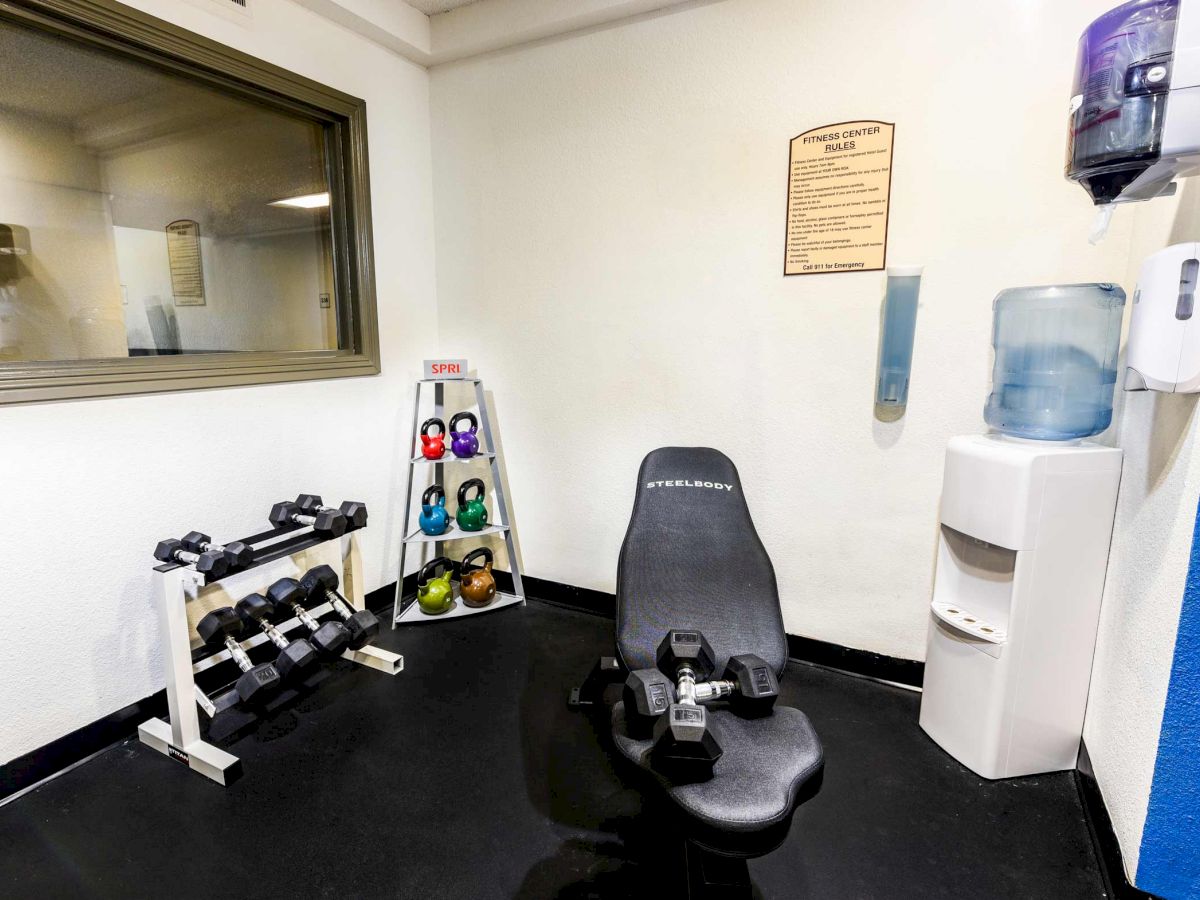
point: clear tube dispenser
(899, 329)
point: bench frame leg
(588, 695)
(711, 875)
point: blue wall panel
(1169, 864)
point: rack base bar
(199, 756)
(373, 658)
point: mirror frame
(129, 33)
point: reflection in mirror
(145, 214)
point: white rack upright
(411, 614)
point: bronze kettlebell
(477, 586)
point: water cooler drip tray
(964, 620)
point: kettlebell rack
(410, 613)
(180, 585)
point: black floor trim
(600, 603)
(38, 765)
(859, 662)
(1108, 848)
(69, 749)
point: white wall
(1152, 540)
(610, 221)
(93, 485)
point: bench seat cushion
(765, 764)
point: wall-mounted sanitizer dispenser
(1163, 351)
(1135, 106)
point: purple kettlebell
(464, 444)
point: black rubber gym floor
(466, 777)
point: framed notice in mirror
(187, 270)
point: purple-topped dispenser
(1135, 106)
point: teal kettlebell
(434, 519)
(472, 514)
(434, 592)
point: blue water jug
(1056, 360)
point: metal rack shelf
(451, 458)
(409, 614)
(412, 613)
(454, 534)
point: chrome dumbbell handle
(239, 655)
(302, 614)
(713, 690)
(339, 603)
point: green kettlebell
(472, 514)
(434, 593)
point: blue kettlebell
(434, 519)
(464, 444)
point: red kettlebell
(477, 586)
(433, 446)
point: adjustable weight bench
(692, 559)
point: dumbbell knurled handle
(273, 633)
(302, 614)
(239, 655)
(339, 603)
(686, 685)
(713, 690)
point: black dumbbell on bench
(327, 521)
(296, 658)
(354, 512)
(321, 585)
(330, 638)
(749, 683)
(209, 562)
(237, 554)
(222, 627)
(685, 747)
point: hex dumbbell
(209, 562)
(330, 638)
(222, 627)
(647, 693)
(296, 658)
(237, 554)
(354, 512)
(320, 583)
(684, 744)
(330, 521)
(749, 683)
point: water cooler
(1026, 519)
(1025, 530)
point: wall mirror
(173, 214)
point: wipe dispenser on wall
(897, 333)
(1163, 351)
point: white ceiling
(433, 7)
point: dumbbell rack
(178, 585)
(411, 613)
